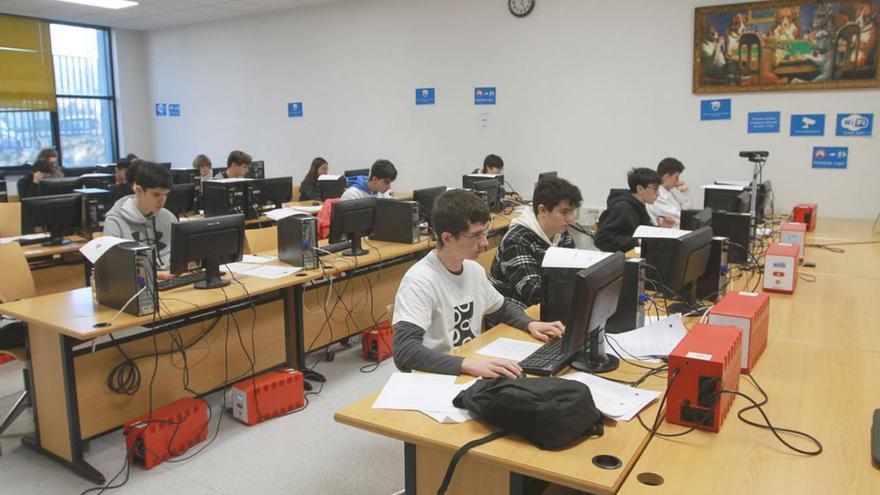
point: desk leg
(53, 388)
(293, 326)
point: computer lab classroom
(711, 167)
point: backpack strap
(461, 452)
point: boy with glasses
(443, 298)
(626, 211)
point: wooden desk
(498, 466)
(57, 268)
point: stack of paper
(430, 394)
(27, 237)
(616, 401)
(515, 350)
(261, 271)
(654, 340)
(649, 232)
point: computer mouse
(315, 203)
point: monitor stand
(593, 359)
(356, 248)
(212, 276)
(55, 240)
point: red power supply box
(377, 344)
(701, 365)
(805, 213)
(265, 396)
(169, 431)
(781, 263)
(750, 312)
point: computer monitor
(98, 180)
(594, 300)
(469, 182)
(679, 264)
(184, 175)
(493, 192)
(331, 187)
(722, 199)
(181, 200)
(58, 215)
(276, 191)
(357, 172)
(105, 169)
(60, 185)
(164, 164)
(736, 227)
(547, 175)
(209, 243)
(77, 171)
(354, 219)
(425, 198)
(693, 219)
(257, 170)
(217, 170)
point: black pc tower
(257, 170)
(713, 285)
(297, 240)
(735, 227)
(95, 205)
(630, 312)
(400, 221)
(127, 269)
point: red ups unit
(750, 312)
(781, 267)
(377, 344)
(168, 432)
(805, 213)
(268, 395)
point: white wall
(132, 92)
(585, 87)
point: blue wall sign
(764, 122)
(830, 157)
(808, 124)
(484, 96)
(424, 96)
(160, 110)
(174, 109)
(718, 109)
(295, 109)
(855, 124)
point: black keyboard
(334, 248)
(182, 280)
(547, 360)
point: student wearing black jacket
(626, 211)
(29, 185)
(308, 188)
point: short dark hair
(43, 165)
(201, 161)
(493, 161)
(642, 177)
(148, 175)
(383, 169)
(455, 210)
(669, 166)
(238, 157)
(123, 164)
(551, 192)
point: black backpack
(548, 412)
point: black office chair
(12, 338)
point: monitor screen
(354, 219)
(58, 215)
(207, 242)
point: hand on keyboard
(491, 368)
(544, 331)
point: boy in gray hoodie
(141, 216)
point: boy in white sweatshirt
(673, 196)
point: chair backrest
(10, 219)
(485, 258)
(17, 281)
(260, 240)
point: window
(83, 125)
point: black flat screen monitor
(276, 191)
(722, 199)
(425, 198)
(78, 171)
(331, 188)
(693, 219)
(547, 175)
(679, 264)
(736, 227)
(58, 215)
(181, 199)
(208, 242)
(493, 192)
(61, 185)
(358, 172)
(354, 219)
(470, 182)
(594, 300)
(99, 180)
(184, 175)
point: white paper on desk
(512, 349)
(728, 187)
(26, 237)
(456, 416)
(94, 249)
(617, 401)
(656, 339)
(250, 258)
(431, 394)
(261, 271)
(649, 232)
(557, 257)
(279, 213)
(308, 209)
(329, 177)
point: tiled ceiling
(149, 14)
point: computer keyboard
(182, 280)
(334, 248)
(547, 360)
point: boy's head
(554, 202)
(152, 183)
(237, 164)
(644, 184)
(669, 170)
(382, 174)
(42, 168)
(122, 167)
(318, 168)
(203, 164)
(493, 164)
(461, 221)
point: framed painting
(786, 45)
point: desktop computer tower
(252, 199)
(127, 269)
(297, 240)
(224, 197)
(713, 285)
(95, 205)
(399, 221)
(630, 312)
(736, 228)
(257, 170)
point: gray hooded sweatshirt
(126, 221)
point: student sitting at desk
(29, 185)
(237, 165)
(382, 174)
(125, 170)
(665, 211)
(443, 298)
(308, 188)
(204, 166)
(626, 211)
(516, 269)
(141, 216)
(494, 165)
(51, 155)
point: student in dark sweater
(626, 211)
(29, 185)
(516, 269)
(308, 188)
(125, 171)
